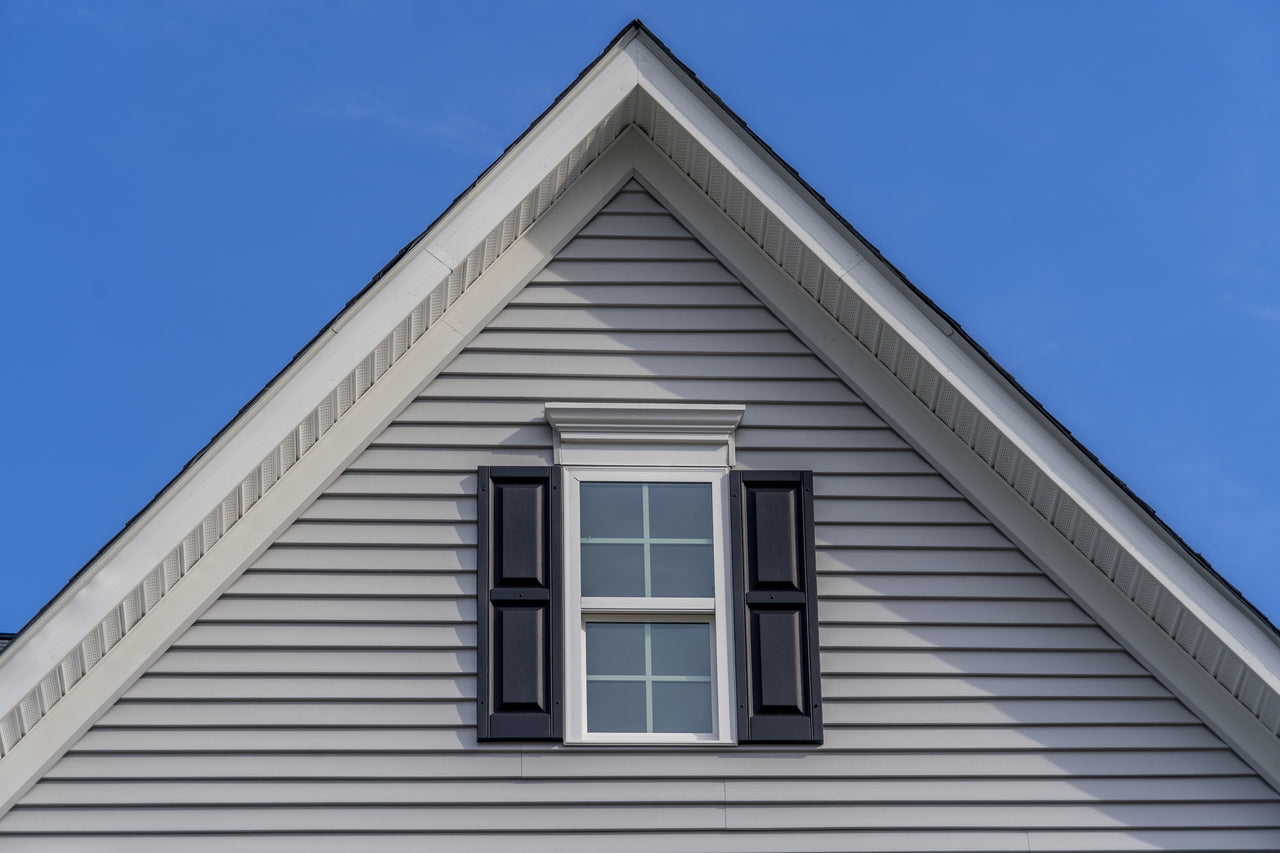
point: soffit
(993, 423)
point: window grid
(645, 540)
(649, 678)
(642, 607)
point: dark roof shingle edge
(943, 315)
(408, 247)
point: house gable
(636, 111)
(331, 686)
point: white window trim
(577, 610)
(655, 443)
(652, 434)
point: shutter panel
(518, 614)
(776, 604)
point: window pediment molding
(649, 434)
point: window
(646, 594)
(662, 598)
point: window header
(649, 434)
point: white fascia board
(1042, 442)
(1131, 526)
(727, 142)
(327, 362)
(982, 485)
(48, 740)
(222, 467)
(523, 167)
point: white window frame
(714, 611)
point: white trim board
(520, 187)
(896, 403)
(999, 423)
(69, 718)
(679, 435)
(122, 585)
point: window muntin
(650, 677)
(651, 540)
(647, 643)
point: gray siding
(326, 701)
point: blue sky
(188, 191)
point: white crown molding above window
(648, 434)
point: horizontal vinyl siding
(326, 700)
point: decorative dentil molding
(185, 556)
(1034, 485)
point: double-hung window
(645, 591)
(646, 588)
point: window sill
(643, 739)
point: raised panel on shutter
(775, 595)
(779, 672)
(519, 512)
(771, 532)
(518, 612)
(521, 672)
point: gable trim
(937, 439)
(445, 336)
(964, 391)
(118, 592)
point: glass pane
(612, 511)
(615, 648)
(681, 648)
(616, 706)
(612, 569)
(682, 706)
(682, 571)
(680, 510)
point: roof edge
(628, 32)
(1041, 461)
(325, 380)
(950, 325)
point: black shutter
(518, 604)
(776, 607)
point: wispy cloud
(350, 105)
(1249, 305)
(16, 10)
(1263, 312)
(454, 130)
